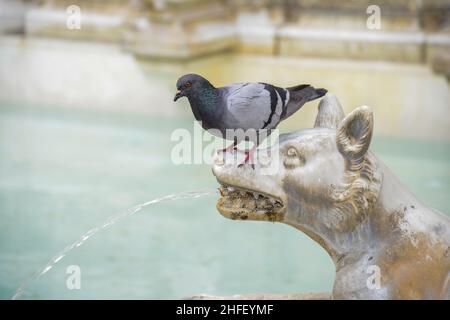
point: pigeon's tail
(299, 95)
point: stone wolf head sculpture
(331, 187)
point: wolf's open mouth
(241, 203)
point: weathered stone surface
(184, 29)
(345, 44)
(12, 15)
(438, 52)
(326, 183)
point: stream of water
(49, 196)
(106, 224)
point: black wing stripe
(283, 93)
(273, 103)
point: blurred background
(87, 111)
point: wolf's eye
(292, 152)
(293, 158)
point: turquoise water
(63, 172)
(65, 168)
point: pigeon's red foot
(249, 158)
(231, 147)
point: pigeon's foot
(230, 148)
(242, 165)
(249, 158)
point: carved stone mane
(360, 189)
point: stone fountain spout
(384, 242)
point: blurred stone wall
(410, 30)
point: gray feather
(248, 105)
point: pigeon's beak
(178, 95)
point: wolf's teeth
(231, 189)
(255, 195)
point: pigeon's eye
(293, 158)
(188, 84)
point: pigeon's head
(189, 84)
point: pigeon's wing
(255, 105)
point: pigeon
(247, 105)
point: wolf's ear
(330, 112)
(354, 134)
